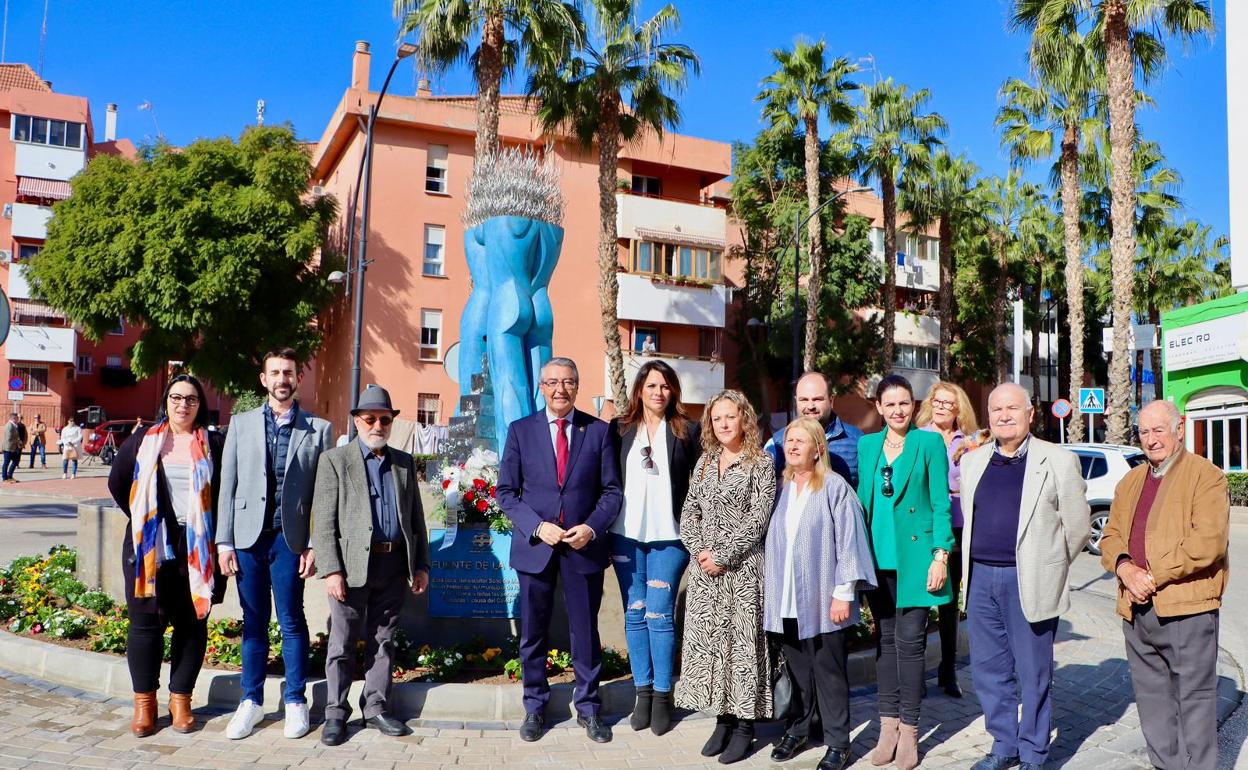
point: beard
(373, 442)
(281, 393)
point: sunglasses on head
(370, 419)
(887, 473)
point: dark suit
(529, 492)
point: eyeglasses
(887, 473)
(370, 420)
(647, 461)
(568, 384)
(177, 399)
(944, 404)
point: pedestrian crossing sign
(1092, 400)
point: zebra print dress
(725, 665)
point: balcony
(655, 301)
(47, 162)
(700, 378)
(42, 344)
(915, 329)
(18, 288)
(916, 273)
(645, 218)
(31, 222)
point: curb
(472, 706)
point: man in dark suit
(559, 484)
(369, 538)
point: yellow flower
(492, 653)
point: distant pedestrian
(12, 445)
(1027, 519)
(1166, 540)
(948, 411)
(70, 442)
(727, 671)
(371, 546)
(39, 441)
(165, 478)
(904, 489)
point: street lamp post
(361, 262)
(797, 257)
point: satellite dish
(5, 316)
(450, 362)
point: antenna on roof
(260, 112)
(43, 37)
(4, 39)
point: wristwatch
(940, 555)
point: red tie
(561, 456)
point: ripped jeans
(649, 575)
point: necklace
(894, 444)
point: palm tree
(1040, 237)
(1004, 201)
(891, 133)
(1125, 30)
(804, 85)
(1033, 119)
(617, 87)
(941, 195)
(503, 29)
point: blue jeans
(65, 466)
(649, 574)
(270, 566)
(9, 464)
(1009, 655)
(36, 445)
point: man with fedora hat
(368, 533)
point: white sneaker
(64, 475)
(297, 723)
(249, 715)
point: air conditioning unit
(318, 190)
(6, 256)
(8, 211)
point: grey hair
(1172, 412)
(515, 182)
(564, 362)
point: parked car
(1103, 467)
(97, 443)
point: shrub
(96, 601)
(1238, 483)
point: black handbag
(782, 695)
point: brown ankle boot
(180, 712)
(908, 747)
(887, 745)
(143, 723)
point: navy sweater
(998, 499)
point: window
(86, 364)
(647, 185)
(435, 250)
(121, 328)
(646, 339)
(26, 251)
(1099, 467)
(113, 361)
(877, 240)
(1134, 460)
(428, 406)
(684, 266)
(917, 357)
(430, 335)
(436, 169)
(666, 259)
(645, 257)
(34, 377)
(708, 346)
(57, 133)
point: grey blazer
(244, 479)
(342, 518)
(1053, 524)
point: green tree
(803, 86)
(1129, 33)
(891, 133)
(1058, 110)
(503, 31)
(941, 195)
(615, 88)
(211, 248)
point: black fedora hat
(374, 399)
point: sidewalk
(92, 482)
(1095, 726)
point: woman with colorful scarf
(165, 477)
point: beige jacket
(1186, 538)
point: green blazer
(920, 510)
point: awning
(681, 238)
(42, 188)
(34, 309)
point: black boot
(640, 719)
(739, 746)
(719, 738)
(661, 713)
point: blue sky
(203, 66)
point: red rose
(492, 491)
(483, 506)
(479, 483)
(469, 496)
(446, 483)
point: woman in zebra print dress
(726, 669)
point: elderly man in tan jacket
(1166, 540)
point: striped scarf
(148, 530)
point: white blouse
(647, 515)
(792, 525)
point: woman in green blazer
(903, 483)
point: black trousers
(145, 643)
(900, 642)
(819, 667)
(950, 615)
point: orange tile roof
(21, 76)
(513, 105)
